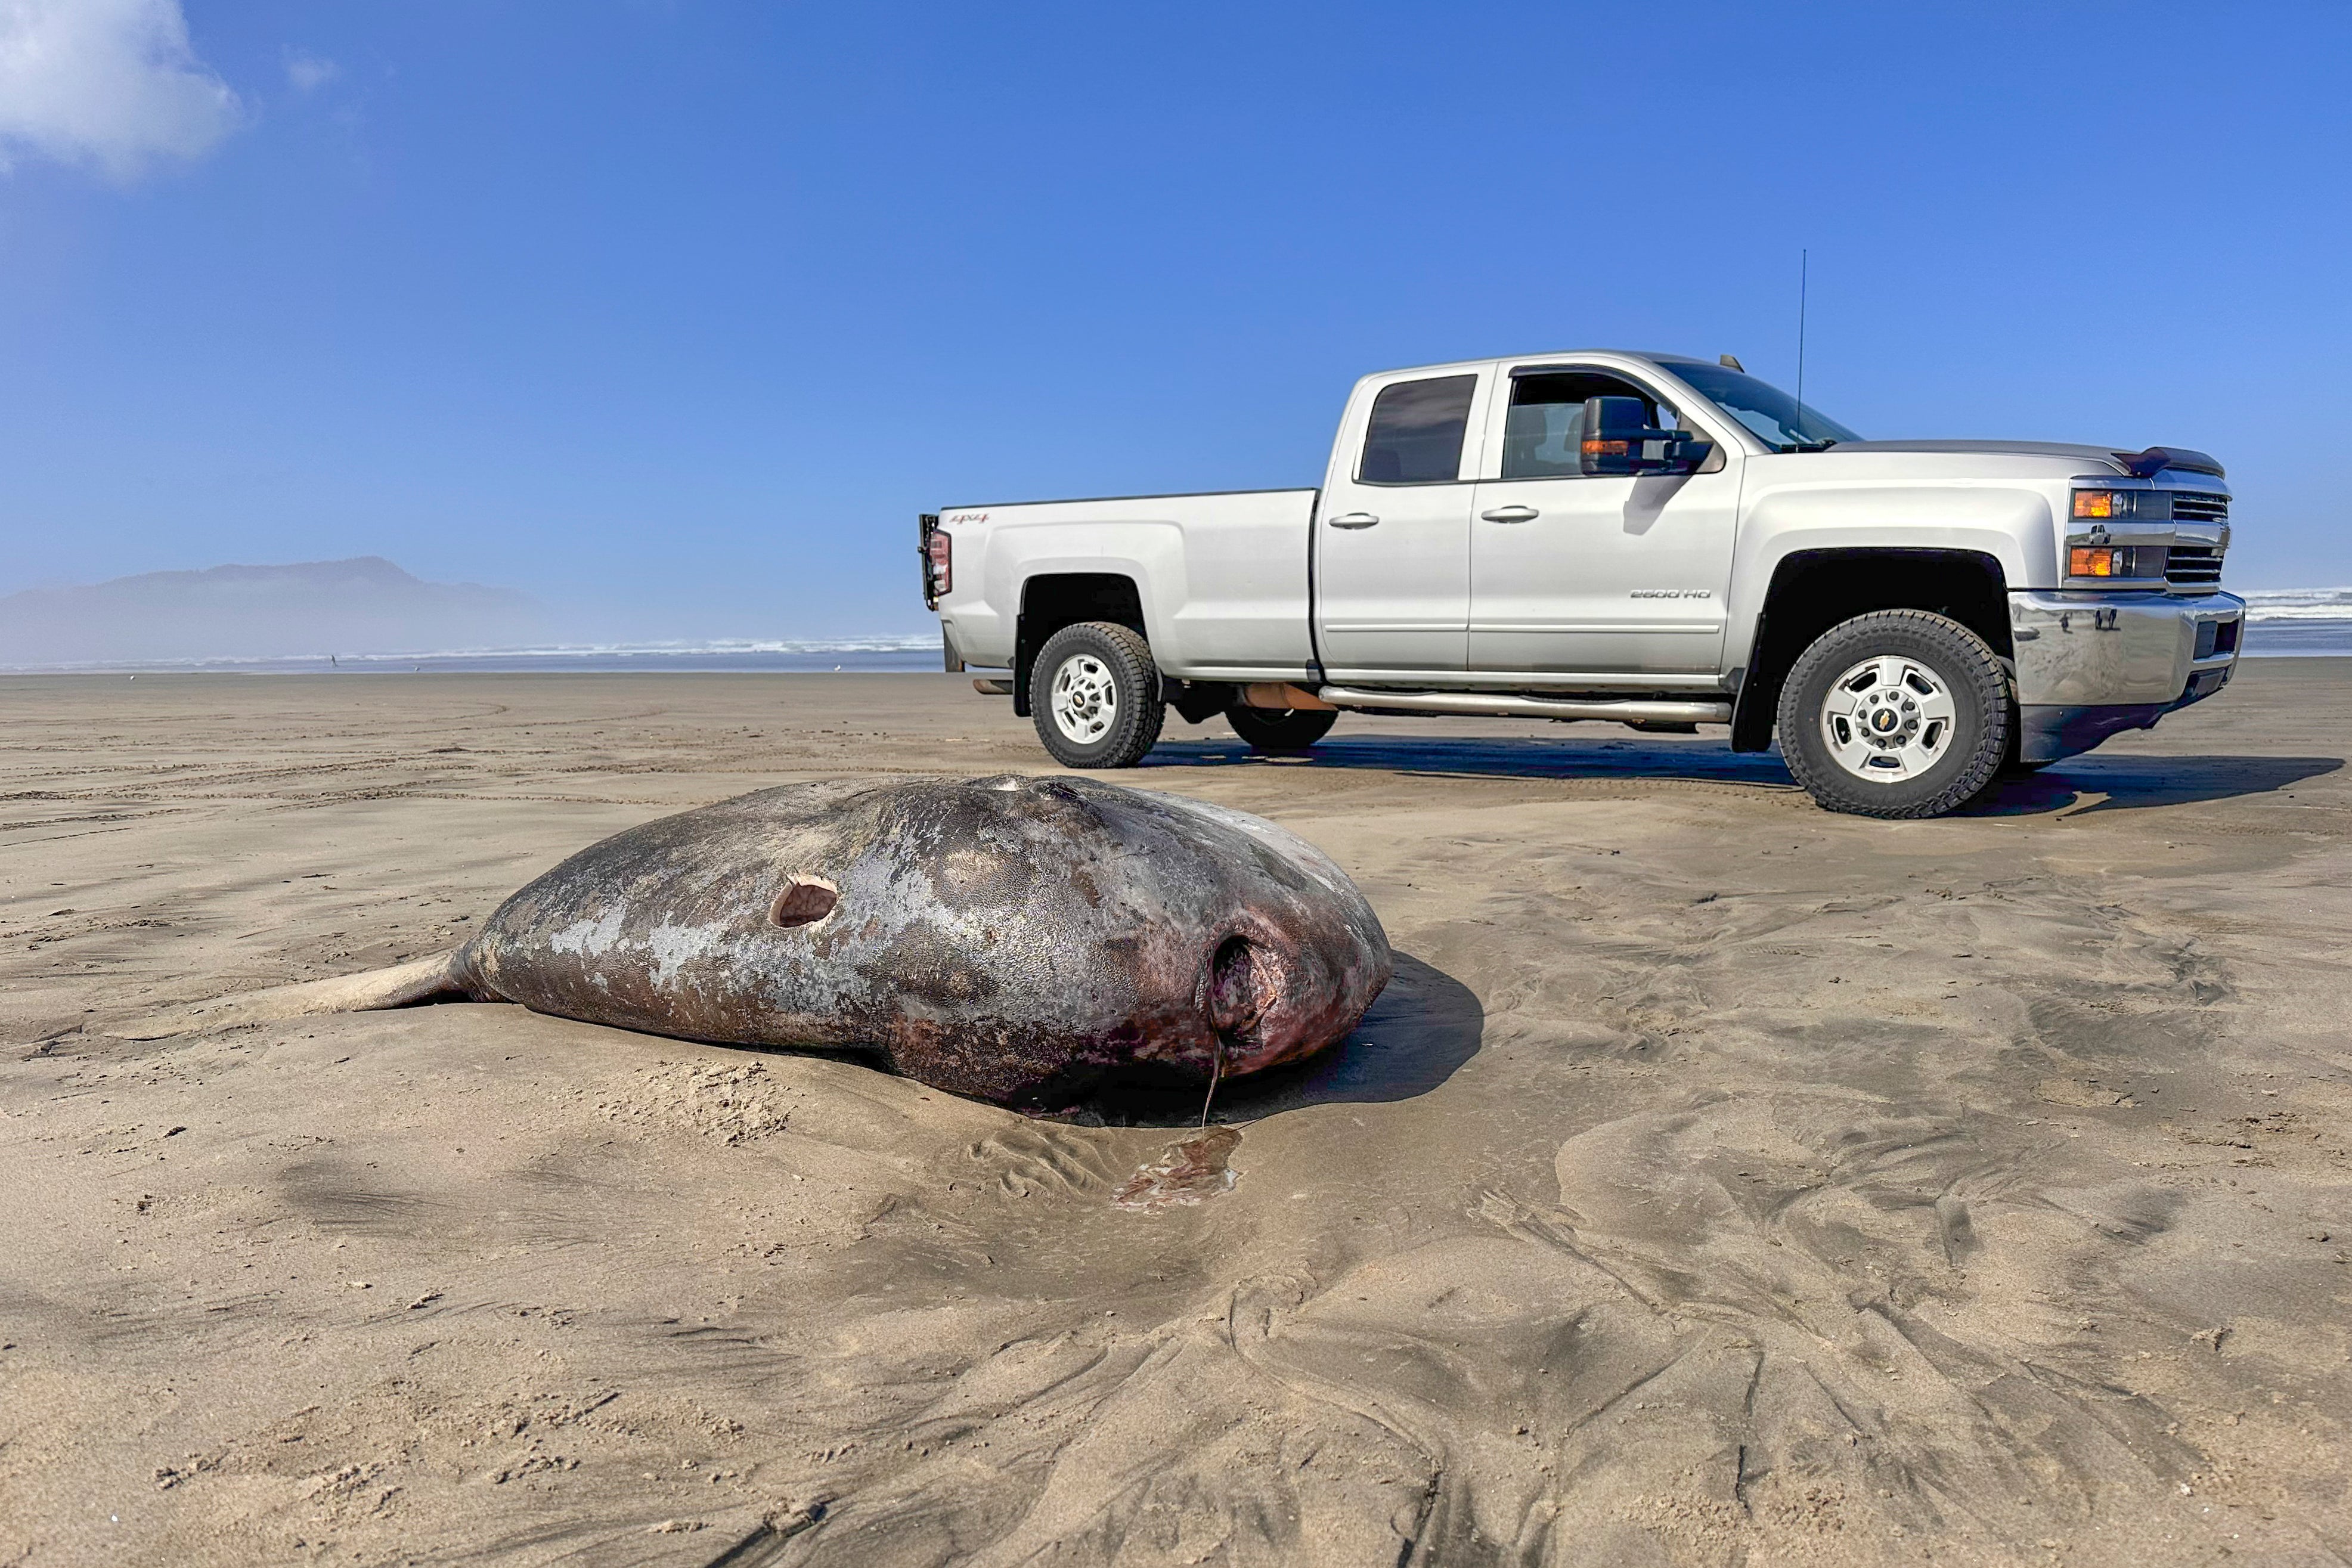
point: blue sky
(675, 312)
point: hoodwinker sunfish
(1018, 939)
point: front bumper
(2092, 664)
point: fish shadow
(1421, 1028)
(2125, 782)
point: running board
(1479, 705)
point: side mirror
(1620, 440)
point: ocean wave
(729, 647)
(2298, 603)
(724, 652)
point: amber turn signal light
(2094, 503)
(2095, 561)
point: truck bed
(1227, 571)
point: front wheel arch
(1813, 590)
(1279, 730)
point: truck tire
(1281, 729)
(1900, 713)
(1095, 694)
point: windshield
(1774, 417)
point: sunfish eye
(804, 901)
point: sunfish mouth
(1268, 1005)
(1245, 993)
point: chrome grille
(2200, 506)
(2193, 566)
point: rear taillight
(940, 550)
(935, 551)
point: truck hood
(2105, 457)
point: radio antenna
(1804, 267)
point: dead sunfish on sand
(1019, 939)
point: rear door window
(1416, 432)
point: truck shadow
(2121, 781)
(2080, 785)
(1423, 1027)
(1501, 757)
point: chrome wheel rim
(1888, 719)
(1085, 699)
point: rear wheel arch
(1053, 600)
(1813, 590)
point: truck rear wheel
(1901, 713)
(1281, 728)
(1095, 693)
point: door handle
(1354, 519)
(1511, 515)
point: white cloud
(110, 83)
(310, 72)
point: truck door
(1393, 531)
(1608, 577)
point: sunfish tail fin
(420, 980)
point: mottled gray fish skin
(1016, 940)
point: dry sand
(1721, 1182)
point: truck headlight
(2141, 506)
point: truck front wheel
(1281, 729)
(1900, 713)
(1095, 694)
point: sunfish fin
(420, 980)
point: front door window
(1543, 431)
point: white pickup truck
(1647, 539)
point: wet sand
(1721, 1182)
